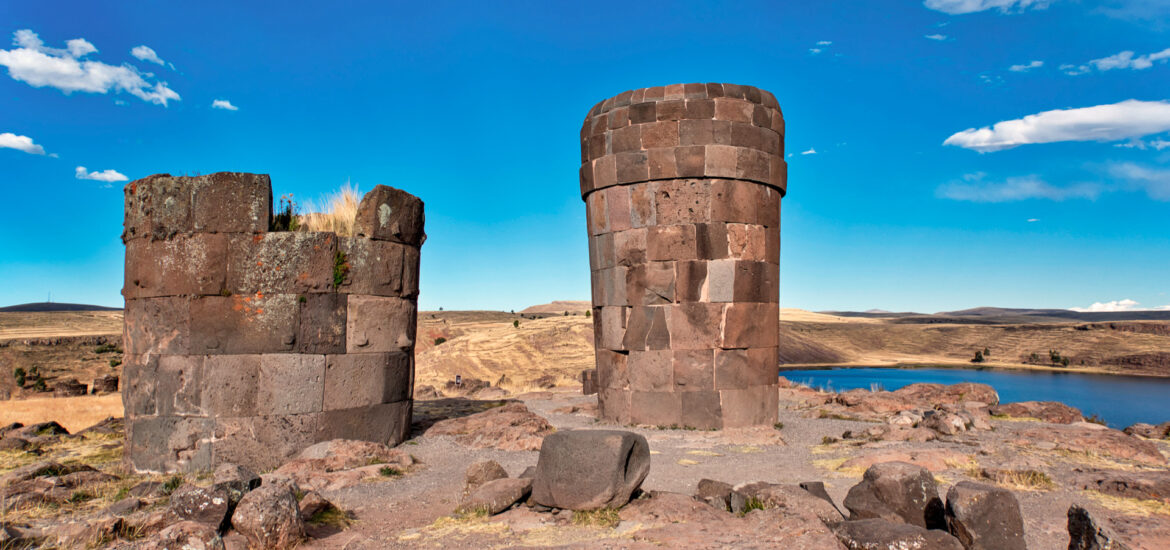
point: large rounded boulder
(590, 469)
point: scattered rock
(269, 518)
(1048, 411)
(490, 393)
(946, 423)
(14, 443)
(107, 383)
(1149, 431)
(616, 461)
(817, 489)
(497, 495)
(69, 387)
(480, 473)
(124, 507)
(41, 469)
(210, 505)
(107, 426)
(1098, 439)
(879, 534)
(40, 429)
(427, 392)
(1086, 534)
(715, 493)
(85, 533)
(339, 463)
(792, 499)
(935, 460)
(511, 427)
(984, 517)
(147, 489)
(897, 432)
(1150, 485)
(898, 492)
(235, 480)
(185, 535)
(312, 504)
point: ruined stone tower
(682, 186)
(246, 345)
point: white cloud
(1156, 144)
(224, 104)
(811, 151)
(824, 42)
(1154, 182)
(1128, 119)
(939, 37)
(105, 175)
(146, 53)
(1074, 70)
(974, 188)
(1033, 220)
(1118, 305)
(65, 69)
(957, 7)
(814, 51)
(1126, 60)
(1026, 68)
(8, 140)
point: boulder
(511, 427)
(480, 473)
(84, 533)
(269, 518)
(1086, 534)
(929, 396)
(210, 505)
(590, 469)
(984, 517)
(792, 499)
(715, 493)
(69, 387)
(107, 383)
(898, 492)
(946, 423)
(1093, 439)
(312, 504)
(40, 429)
(341, 463)
(389, 214)
(14, 443)
(124, 507)
(879, 534)
(817, 489)
(935, 460)
(497, 495)
(235, 480)
(1048, 411)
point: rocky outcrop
(208, 505)
(984, 517)
(497, 495)
(341, 463)
(791, 498)
(616, 461)
(481, 473)
(898, 492)
(269, 518)
(1085, 437)
(1048, 411)
(511, 427)
(1086, 534)
(1149, 431)
(1149, 485)
(880, 534)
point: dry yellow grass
(336, 212)
(20, 325)
(74, 413)
(1130, 506)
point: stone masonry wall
(682, 186)
(244, 345)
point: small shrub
(331, 515)
(340, 268)
(171, 484)
(286, 218)
(1094, 418)
(588, 314)
(978, 357)
(335, 213)
(389, 471)
(516, 324)
(40, 384)
(19, 374)
(778, 425)
(1064, 361)
(751, 504)
(828, 440)
(107, 348)
(440, 340)
(987, 352)
(81, 496)
(115, 362)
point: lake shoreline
(966, 366)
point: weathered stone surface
(511, 427)
(211, 506)
(792, 498)
(1149, 431)
(184, 265)
(238, 324)
(378, 324)
(984, 517)
(366, 379)
(480, 473)
(880, 534)
(1151, 485)
(312, 504)
(1096, 439)
(390, 214)
(106, 383)
(897, 492)
(269, 518)
(1086, 534)
(185, 535)
(497, 495)
(1048, 411)
(283, 262)
(234, 479)
(715, 493)
(69, 387)
(618, 462)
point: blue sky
(1052, 190)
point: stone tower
(682, 186)
(246, 345)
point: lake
(1119, 400)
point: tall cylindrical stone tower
(246, 344)
(682, 185)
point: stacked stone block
(682, 186)
(244, 345)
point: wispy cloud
(1155, 12)
(1156, 144)
(1033, 220)
(107, 176)
(824, 43)
(146, 53)
(1026, 68)
(1124, 120)
(1155, 182)
(8, 140)
(1074, 70)
(938, 37)
(975, 188)
(811, 151)
(67, 70)
(957, 7)
(224, 104)
(1118, 305)
(1126, 60)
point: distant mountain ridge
(42, 307)
(981, 315)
